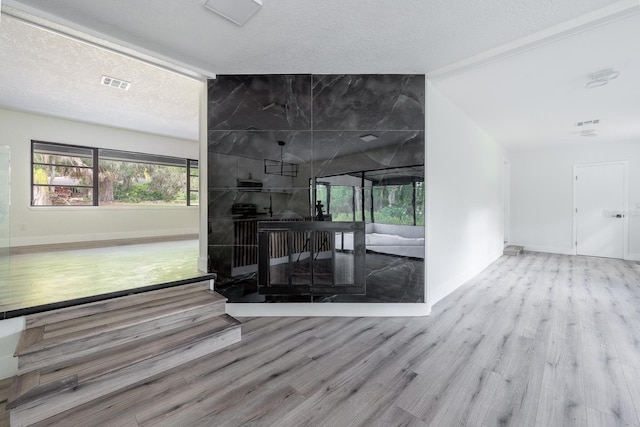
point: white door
(600, 204)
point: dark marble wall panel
(337, 152)
(248, 115)
(262, 144)
(262, 102)
(368, 102)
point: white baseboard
(336, 309)
(454, 283)
(547, 249)
(75, 238)
(633, 257)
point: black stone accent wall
(321, 119)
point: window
(389, 196)
(68, 175)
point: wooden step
(98, 332)
(47, 317)
(41, 394)
(513, 250)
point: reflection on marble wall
(320, 121)
(264, 102)
(368, 102)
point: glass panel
(62, 161)
(341, 202)
(299, 270)
(393, 204)
(62, 175)
(322, 194)
(194, 182)
(323, 259)
(49, 195)
(194, 198)
(419, 203)
(5, 194)
(127, 183)
(367, 194)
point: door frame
(625, 207)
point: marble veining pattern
(321, 120)
(368, 102)
(261, 102)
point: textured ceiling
(50, 74)
(46, 73)
(534, 99)
(311, 36)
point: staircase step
(72, 384)
(513, 250)
(122, 315)
(46, 317)
(109, 330)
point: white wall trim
(547, 249)
(99, 40)
(585, 22)
(328, 309)
(506, 200)
(91, 237)
(633, 257)
(454, 283)
(203, 171)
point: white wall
(42, 225)
(464, 198)
(10, 330)
(542, 194)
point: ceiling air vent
(118, 84)
(588, 122)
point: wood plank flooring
(536, 340)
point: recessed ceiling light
(117, 83)
(602, 77)
(588, 132)
(236, 11)
(368, 137)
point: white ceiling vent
(118, 84)
(588, 122)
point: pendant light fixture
(280, 167)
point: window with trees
(69, 175)
(389, 196)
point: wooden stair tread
(23, 396)
(91, 366)
(513, 250)
(40, 319)
(69, 326)
(110, 321)
(32, 411)
(28, 338)
(47, 381)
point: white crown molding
(65, 28)
(585, 22)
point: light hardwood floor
(49, 274)
(535, 340)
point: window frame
(113, 155)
